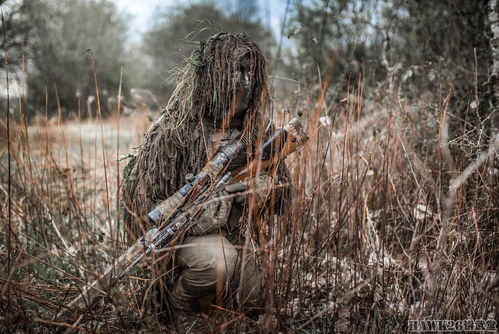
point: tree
(60, 33)
(449, 35)
(339, 38)
(494, 71)
(16, 26)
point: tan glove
(261, 189)
(165, 209)
(215, 215)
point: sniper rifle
(223, 169)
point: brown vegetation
(379, 232)
(395, 197)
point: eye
(293, 140)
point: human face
(244, 85)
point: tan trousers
(211, 266)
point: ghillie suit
(222, 87)
(177, 142)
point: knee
(208, 265)
(214, 265)
(221, 263)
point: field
(390, 222)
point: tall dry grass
(391, 220)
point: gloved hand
(166, 208)
(215, 215)
(234, 189)
(261, 189)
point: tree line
(52, 46)
(422, 43)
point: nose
(245, 78)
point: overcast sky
(141, 12)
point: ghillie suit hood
(203, 102)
